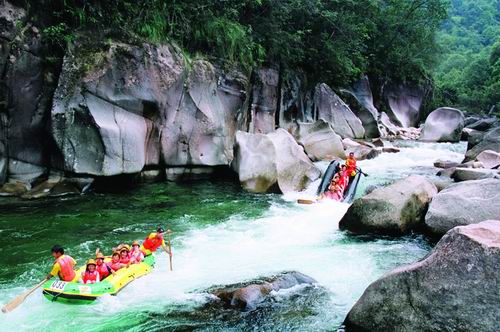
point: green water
(221, 236)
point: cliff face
(113, 108)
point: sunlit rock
(455, 288)
(444, 124)
(395, 209)
(463, 203)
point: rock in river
(272, 162)
(248, 296)
(444, 124)
(464, 203)
(319, 140)
(455, 288)
(488, 141)
(395, 209)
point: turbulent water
(221, 236)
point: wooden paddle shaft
(20, 299)
(169, 249)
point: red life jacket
(115, 266)
(125, 260)
(90, 277)
(66, 263)
(152, 244)
(103, 270)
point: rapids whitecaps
(222, 236)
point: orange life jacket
(125, 260)
(351, 166)
(152, 244)
(90, 277)
(66, 263)
(103, 270)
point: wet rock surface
(319, 140)
(249, 295)
(444, 124)
(395, 209)
(454, 288)
(463, 203)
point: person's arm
(98, 278)
(55, 271)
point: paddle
(359, 169)
(20, 299)
(305, 201)
(169, 248)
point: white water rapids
(287, 237)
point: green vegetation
(468, 76)
(332, 40)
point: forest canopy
(468, 74)
(332, 40)
(448, 45)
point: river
(221, 236)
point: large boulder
(444, 124)
(455, 288)
(467, 174)
(484, 124)
(319, 140)
(489, 141)
(404, 104)
(264, 100)
(489, 159)
(395, 209)
(463, 203)
(295, 170)
(333, 110)
(255, 162)
(28, 82)
(362, 106)
(121, 107)
(249, 295)
(272, 162)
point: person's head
(57, 251)
(336, 177)
(159, 232)
(343, 167)
(91, 265)
(116, 256)
(351, 155)
(124, 253)
(99, 259)
(135, 245)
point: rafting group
(96, 270)
(340, 180)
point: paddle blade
(20, 299)
(305, 201)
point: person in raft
(153, 241)
(90, 275)
(351, 165)
(136, 255)
(102, 268)
(116, 263)
(63, 265)
(334, 190)
(124, 255)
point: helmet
(91, 262)
(135, 243)
(99, 255)
(160, 230)
(116, 253)
(125, 247)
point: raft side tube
(78, 293)
(350, 191)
